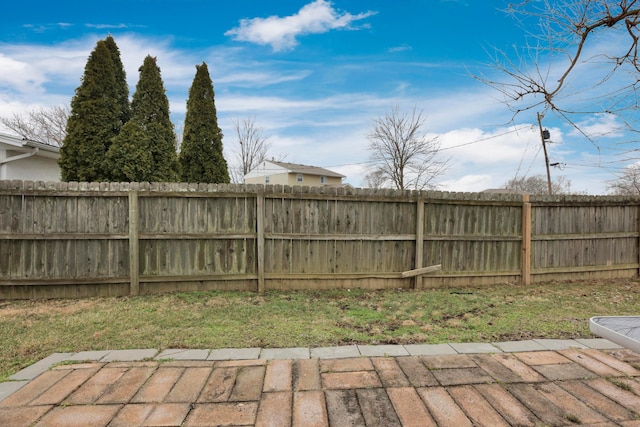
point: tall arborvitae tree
(145, 150)
(201, 158)
(94, 121)
(121, 80)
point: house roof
(19, 143)
(305, 169)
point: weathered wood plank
(65, 236)
(419, 254)
(343, 237)
(421, 271)
(526, 241)
(260, 242)
(134, 244)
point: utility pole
(544, 136)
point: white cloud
(354, 173)
(281, 32)
(600, 125)
(43, 75)
(296, 107)
(177, 67)
(401, 48)
(503, 145)
(21, 76)
(488, 159)
(41, 28)
(249, 103)
(462, 108)
(261, 79)
(469, 183)
(107, 26)
(28, 68)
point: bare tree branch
(537, 184)
(374, 179)
(569, 39)
(251, 149)
(45, 124)
(627, 183)
(401, 153)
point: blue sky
(314, 75)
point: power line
(488, 138)
(533, 161)
(524, 153)
(483, 139)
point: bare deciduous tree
(45, 124)
(374, 179)
(581, 59)
(627, 183)
(251, 149)
(537, 184)
(402, 155)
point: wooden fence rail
(95, 239)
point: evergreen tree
(145, 150)
(201, 158)
(94, 120)
(130, 156)
(121, 80)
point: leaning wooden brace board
(622, 330)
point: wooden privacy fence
(90, 239)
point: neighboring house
(28, 160)
(272, 172)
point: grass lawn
(31, 330)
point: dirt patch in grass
(37, 308)
(31, 330)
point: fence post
(417, 284)
(526, 240)
(134, 267)
(260, 239)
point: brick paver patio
(570, 386)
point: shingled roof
(308, 170)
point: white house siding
(21, 159)
(279, 174)
(291, 179)
(31, 169)
(273, 179)
(267, 168)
